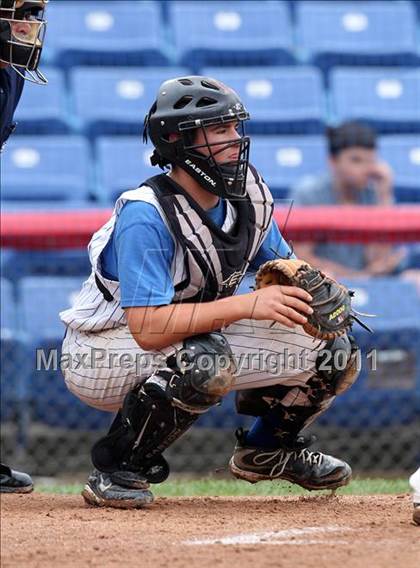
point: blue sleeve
(144, 249)
(273, 246)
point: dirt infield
(357, 532)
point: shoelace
(311, 458)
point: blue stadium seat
(105, 33)
(403, 154)
(357, 33)
(389, 298)
(41, 300)
(387, 392)
(416, 4)
(45, 168)
(389, 99)
(237, 33)
(18, 264)
(41, 113)
(282, 160)
(280, 100)
(8, 318)
(116, 100)
(123, 163)
(14, 358)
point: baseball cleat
(311, 470)
(12, 481)
(121, 490)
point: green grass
(184, 487)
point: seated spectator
(356, 177)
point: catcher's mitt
(331, 301)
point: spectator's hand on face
(382, 178)
(386, 261)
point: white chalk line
(282, 537)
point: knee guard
(337, 368)
(156, 413)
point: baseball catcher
(162, 294)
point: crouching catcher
(165, 271)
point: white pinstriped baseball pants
(101, 368)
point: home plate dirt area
(197, 532)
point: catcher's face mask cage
(186, 106)
(22, 32)
(228, 177)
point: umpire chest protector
(215, 258)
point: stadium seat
(357, 33)
(116, 100)
(8, 318)
(416, 4)
(18, 264)
(123, 163)
(237, 33)
(14, 358)
(279, 100)
(387, 392)
(45, 168)
(105, 33)
(41, 114)
(389, 99)
(403, 154)
(41, 300)
(282, 160)
(389, 298)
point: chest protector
(215, 258)
(209, 262)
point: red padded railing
(72, 229)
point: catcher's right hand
(288, 305)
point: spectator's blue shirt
(315, 191)
(141, 250)
(11, 87)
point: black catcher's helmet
(22, 32)
(184, 105)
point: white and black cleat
(121, 490)
(12, 481)
(311, 470)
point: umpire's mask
(22, 32)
